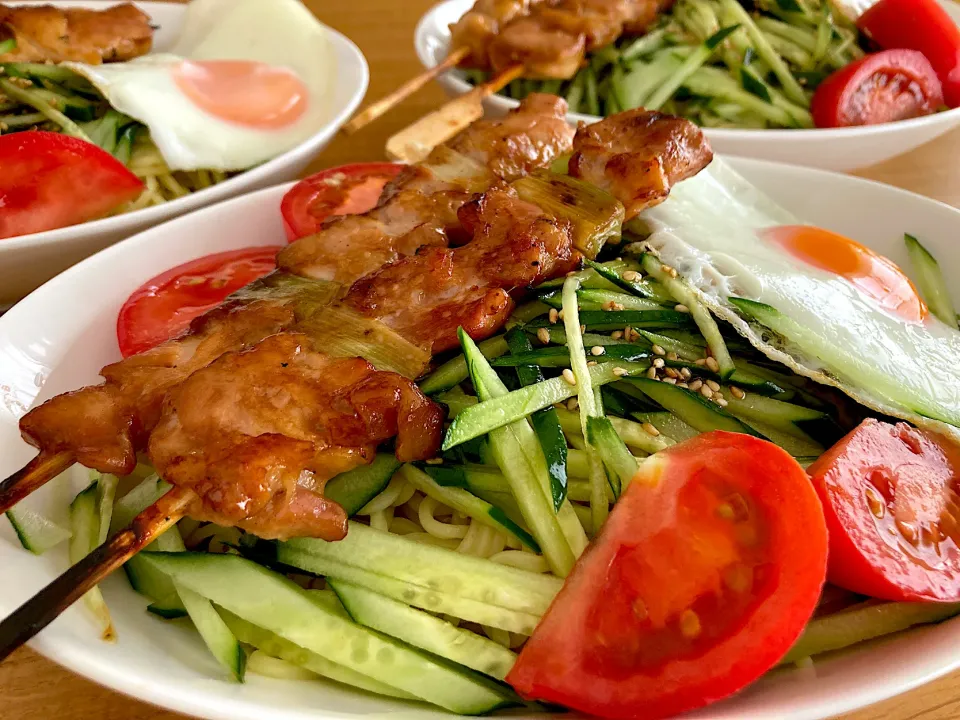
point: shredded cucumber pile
(449, 564)
(719, 63)
(35, 96)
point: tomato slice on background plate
(344, 190)
(879, 88)
(164, 306)
(702, 578)
(919, 25)
(889, 493)
(50, 181)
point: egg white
(280, 33)
(707, 230)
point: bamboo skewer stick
(43, 468)
(383, 105)
(414, 143)
(44, 607)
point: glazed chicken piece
(104, 426)
(524, 140)
(480, 25)
(418, 209)
(44, 33)
(257, 434)
(425, 298)
(638, 155)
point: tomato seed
(689, 624)
(877, 506)
(639, 608)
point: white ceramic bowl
(836, 149)
(59, 337)
(30, 260)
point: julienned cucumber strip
(85, 525)
(849, 627)
(453, 372)
(630, 432)
(240, 586)
(436, 568)
(436, 601)
(106, 492)
(641, 287)
(35, 532)
(516, 450)
(620, 463)
(701, 315)
(590, 403)
(355, 488)
(468, 504)
(559, 356)
(425, 631)
(619, 319)
(692, 407)
(698, 57)
(668, 424)
(545, 422)
(602, 299)
(497, 412)
(214, 631)
(932, 284)
(274, 645)
(838, 358)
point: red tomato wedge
(889, 493)
(919, 25)
(163, 307)
(50, 181)
(344, 190)
(879, 88)
(702, 578)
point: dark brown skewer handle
(43, 468)
(44, 607)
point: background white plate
(834, 149)
(29, 260)
(59, 337)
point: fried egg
(826, 306)
(246, 81)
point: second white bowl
(839, 149)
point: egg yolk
(875, 276)
(243, 92)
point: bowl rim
(424, 31)
(193, 699)
(117, 224)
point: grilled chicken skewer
(418, 209)
(232, 439)
(44, 33)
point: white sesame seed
(706, 392)
(652, 373)
(657, 350)
(670, 372)
(597, 350)
(617, 334)
(554, 316)
(583, 329)
(681, 308)
(592, 363)
(573, 404)
(713, 385)
(650, 429)
(700, 361)
(670, 380)
(630, 276)
(632, 334)
(617, 306)
(569, 376)
(713, 364)
(620, 372)
(435, 461)
(720, 401)
(672, 356)
(608, 305)
(543, 335)
(683, 385)
(658, 363)
(560, 315)
(737, 392)
(696, 384)
(685, 373)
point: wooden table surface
(32, 688)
